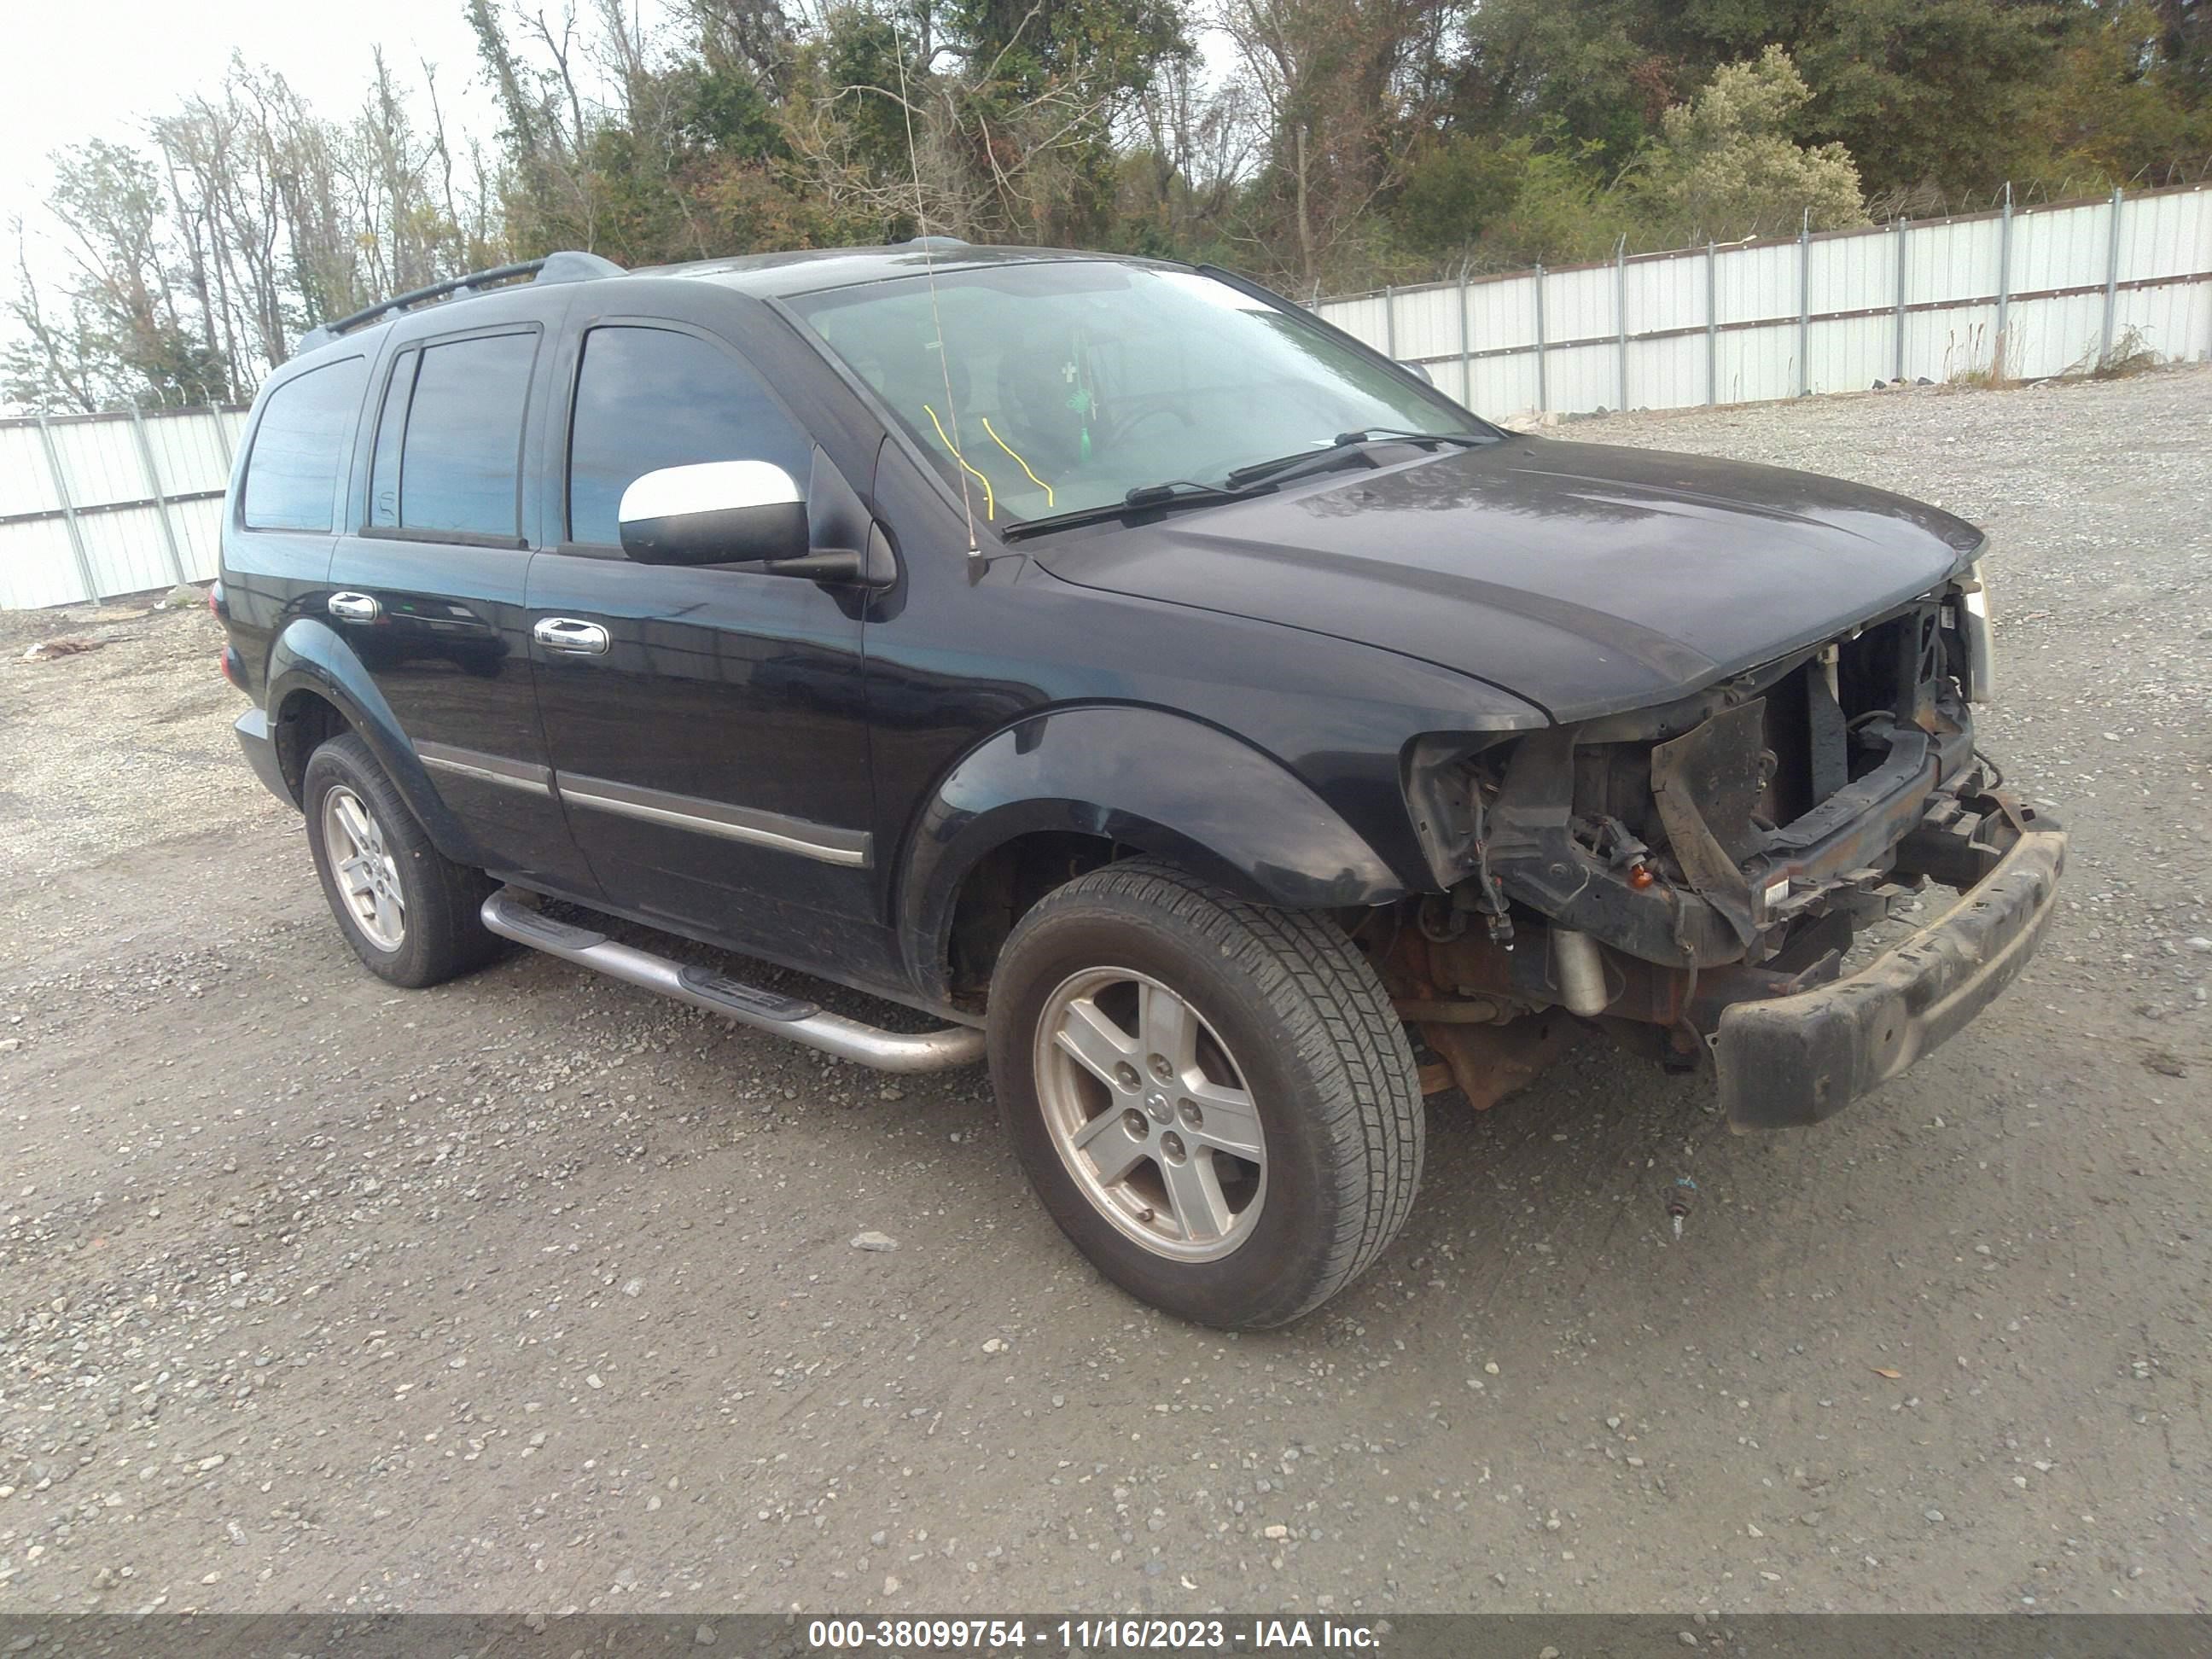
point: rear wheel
(409, 913)
(1212, 1098)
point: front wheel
(1213, 1098)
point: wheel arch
(317, 688)
(1041, 801)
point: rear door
(710, 735)
(429, 590)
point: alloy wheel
(1150, 1113)
(368, 877)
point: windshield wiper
(1245, 482)
(1339, 450)
(1144, 498)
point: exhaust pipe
(1582, 972)
(511, 916)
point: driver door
(706, 725)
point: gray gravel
(532, 1292)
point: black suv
(1187, 706)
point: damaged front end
(1690, 877)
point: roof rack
(566, 266)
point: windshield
(1073, 382)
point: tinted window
(299, 448)
(384, 469)
(460, 461)
(650, 398)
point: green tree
(1728, 164)
(1933, 92)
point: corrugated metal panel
(192, 452)
(26, 485)
(1428, 323)
(199, 532)
(1578, 305)
(36, 566)
(2054, 275)
(1503, 386)
(127, 550)
(101, 461)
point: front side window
(1052, 386)
(299, 448)
(651, 398)
(460, 455)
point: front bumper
(1791, 1060)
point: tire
(418, 923)
(1294, 1053)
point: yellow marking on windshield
(990, 503)
(1019, 461)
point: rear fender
(1164, 783)
(310, 657)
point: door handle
(356, 607)
(579, 639)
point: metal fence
(96, 506)
(93, 507)
(2024, 294)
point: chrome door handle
(356, 607)
(579, 639)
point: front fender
(309, 657)
(1164, 783)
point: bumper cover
(1795, 1059)
(254, 736)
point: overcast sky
(99, 69)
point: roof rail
(566, 266)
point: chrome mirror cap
(715, 512)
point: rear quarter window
(299, 448)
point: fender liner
(308, 656)
(1164, 783)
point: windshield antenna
(929, 268)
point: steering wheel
(1114, 434)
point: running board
(512, 917)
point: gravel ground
(532, 1292)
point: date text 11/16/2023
(1248, 1635)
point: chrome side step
(512, 916)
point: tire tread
(1337, 1018)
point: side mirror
(1419, 372)
(715, 512)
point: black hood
(1586, 578)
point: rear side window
(650, 398)
(390, 426)
(459, 458)
(299, 448)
